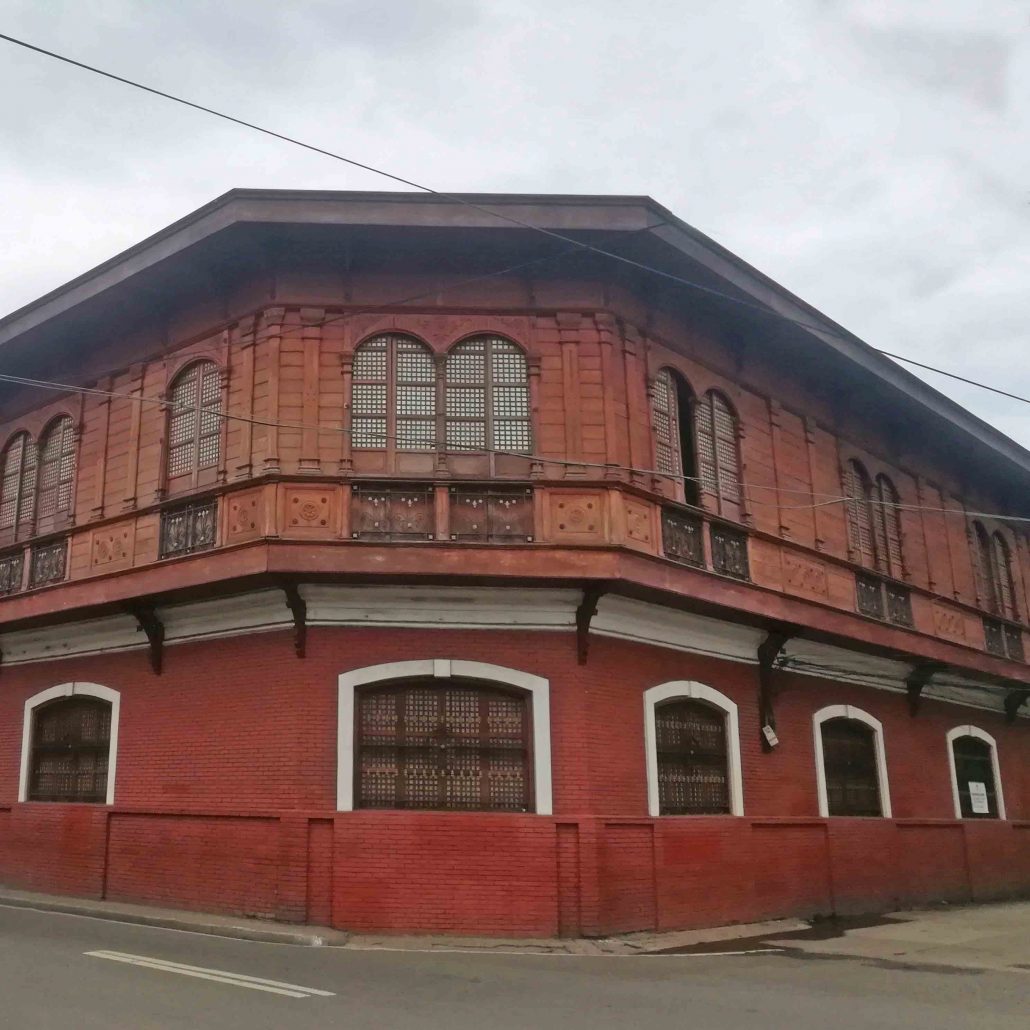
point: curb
(236, 931)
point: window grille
(857, 489)
(693, 771)
(869, 591)
(718, 457)
(681, 537)
(188, 528)
(18, 485)
(487, 396)
(974, 764)
(194, 420)
(849, 763)
(887, 524)
(1003, 640)
(47, 563)
(457, 748)
(664, 417)
(11, 570)
(56, 469)
(899, 604)
(729, 552)
(479, 514)
(393, 513)
(71, 740)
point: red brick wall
(226, 781)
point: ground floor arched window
(851, 766)
(975, 775)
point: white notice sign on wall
(978, 798)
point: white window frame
(850, 712)
(537, 687)
(974, 731)
(689, 689)
(52, 694)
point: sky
(872, 156)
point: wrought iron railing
(682, 538)
(482, 515)
(393, 513)
(188, 528)
(729, 552)
(47, 563)
(12, 568)
(1003, 640)
(880, 599)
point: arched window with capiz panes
(487, 396)
(718, 455)
(18, 470)
(56, 477)
(194, 423)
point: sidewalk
(992, 936)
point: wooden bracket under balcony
(151, 624)
(768, 652)
(1014, 700)
(584, 614)
(917, 680)
(299, 610)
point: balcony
(683, 541)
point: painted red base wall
(225, 800)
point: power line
(458, 199)
(435, 444)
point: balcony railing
(188, 528)
(682, 537)
(729, 552)
(48, 562)
(1004, 640)
(12, 568)
(395, 513)
(882, 600)
(480, 515)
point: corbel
(299, 610)
(919, 678)
(584, 614)
(150, 623)
(769, 652)
(1014, 700)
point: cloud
(871, 155)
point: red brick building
(379, 562)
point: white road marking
(255, 983)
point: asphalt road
(50, 979)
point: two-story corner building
(376, 561)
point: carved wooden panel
(804, 576)
(639, 524)
(949, 623)
(245, 516)
(309, 511)
(577, 518)
(112, 546)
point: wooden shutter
(727, 458)
(887, 520)
(860, 523)
(194, 423)
(56, 469)
(414, 382)
(664, 424)
(1002, 569)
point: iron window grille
(12, 567)
(974, 763)
(1003, 640)
(682, 538)
(491, 516)
(393, 513)
(71, 740)
(693, 776)
(47, 563)
(453, 748)
(188, 528)
(849, 764)
(879, 599)
(729, 552)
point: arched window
(718, 458)
(393, 395)
(455, 747)
(18, 485)
(851, 767)
(887, 524)
(194, 421)
(692, 750)
(975, 776)
(70, 749)
(56, 469)
(487, 391)
(858, 490)
(673, 430)
(993, 565)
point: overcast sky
(873, 156)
